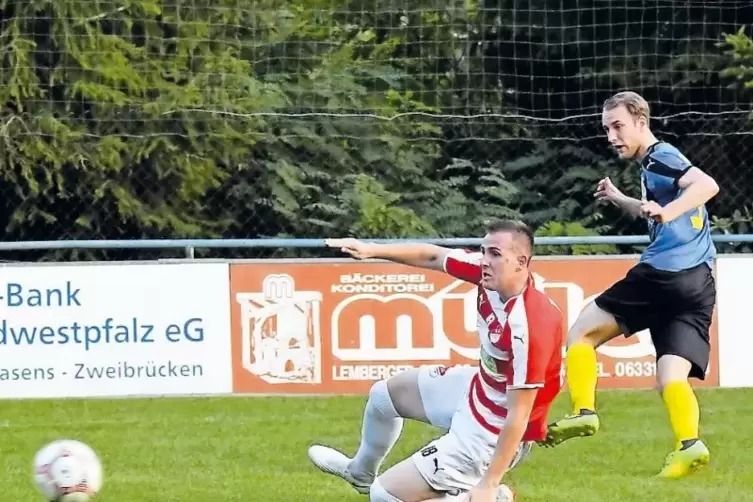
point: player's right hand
(606, 190)
(355, 248)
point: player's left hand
(652, 209)
(482, 494)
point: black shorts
(677, 307)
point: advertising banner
(735, 275)
(114, 330)
(339, 327)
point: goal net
(308, 118)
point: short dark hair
(515, 226)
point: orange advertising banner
(336, 328)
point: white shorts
(456, 461)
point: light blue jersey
(684, 242)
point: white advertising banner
(114, 330)
(734, 279)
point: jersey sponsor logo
(296, 329)
(488, 362)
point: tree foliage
(132, 119)
(738, 218)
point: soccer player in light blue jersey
(671, 291)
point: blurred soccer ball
(505, 494)
(67, 471)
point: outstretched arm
(454, 262)
(414, 254)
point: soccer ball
(505, 494)
(67, 471)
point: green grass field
(254, 449)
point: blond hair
(633, 102)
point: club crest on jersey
(495, 334)
(486, 312)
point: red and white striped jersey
(520, 347)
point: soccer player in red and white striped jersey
(492, 413)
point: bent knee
(593, 326)
(377, 493)
(380, 402)
(380, 389)
(405, 395)
(671, 368)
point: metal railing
(190, 245)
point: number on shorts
(429, 450)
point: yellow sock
(581, 376)
(682, 407)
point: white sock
(379, 494)
(380, 431)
